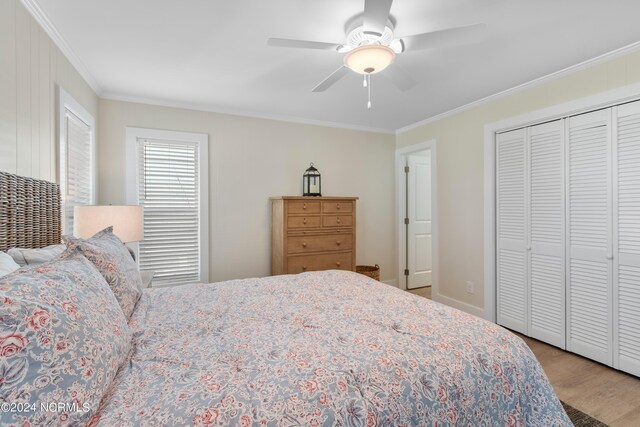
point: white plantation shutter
(77, 160)
(627, 237)
(168, 189)
(589, 233)
(546, 232)
(513, 301)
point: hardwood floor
(423, 292)
(610, 396)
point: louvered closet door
(627, 237)
(546, 248)
(512, 298)
(589, 234)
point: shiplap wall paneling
(512, 276)
(546, 244)
(7, 88)
(33, 106)
(626, 235)
(589, 236)
(23, 92)
(30, 68)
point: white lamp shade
(127, 221)
(369, 59)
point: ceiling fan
(371, 46)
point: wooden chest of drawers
(312, 233)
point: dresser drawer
(303, 222)
(337, 220)
(337, 207)
(336, 261)
(331, 242)
(302, 207)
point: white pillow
(7, 264)
(35, 256)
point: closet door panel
(627, 237)
(511, 229)
(546, 249)
(589, 229)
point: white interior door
(627, 237)
(511, 207)
(419, 230)
(546, 233)
(589, 236)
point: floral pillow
(113, 260)
(62, 339)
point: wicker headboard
(29, 212)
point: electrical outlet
(471, 288)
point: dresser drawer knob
(337, 205)
(338, 242)
(338, 263)
(304, 220)
(304, 244)
(338, 220)
(304, 206)
(304, 267)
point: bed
(321, 349)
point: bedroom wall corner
(352, 163)
(460, 139)
(31, 66)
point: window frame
(67, 102)
(132, 179)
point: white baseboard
(392, 282)
(463, 306)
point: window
(76, 128)
(167, 175)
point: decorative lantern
(311, 185)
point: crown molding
(41, 18)
(625, 50)
(241, 113)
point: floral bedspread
(323, 348)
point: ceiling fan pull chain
(368, 80)
(364, 83)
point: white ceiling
(213, 54)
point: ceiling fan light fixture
(369, 59)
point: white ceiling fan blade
(400, 77)
(445, 38)
(331, 80)
(302, 44)
(376, 13)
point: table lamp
(127, 221)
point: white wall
(251, 160)
(460, 140)
(30, 67)
(353, 163)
